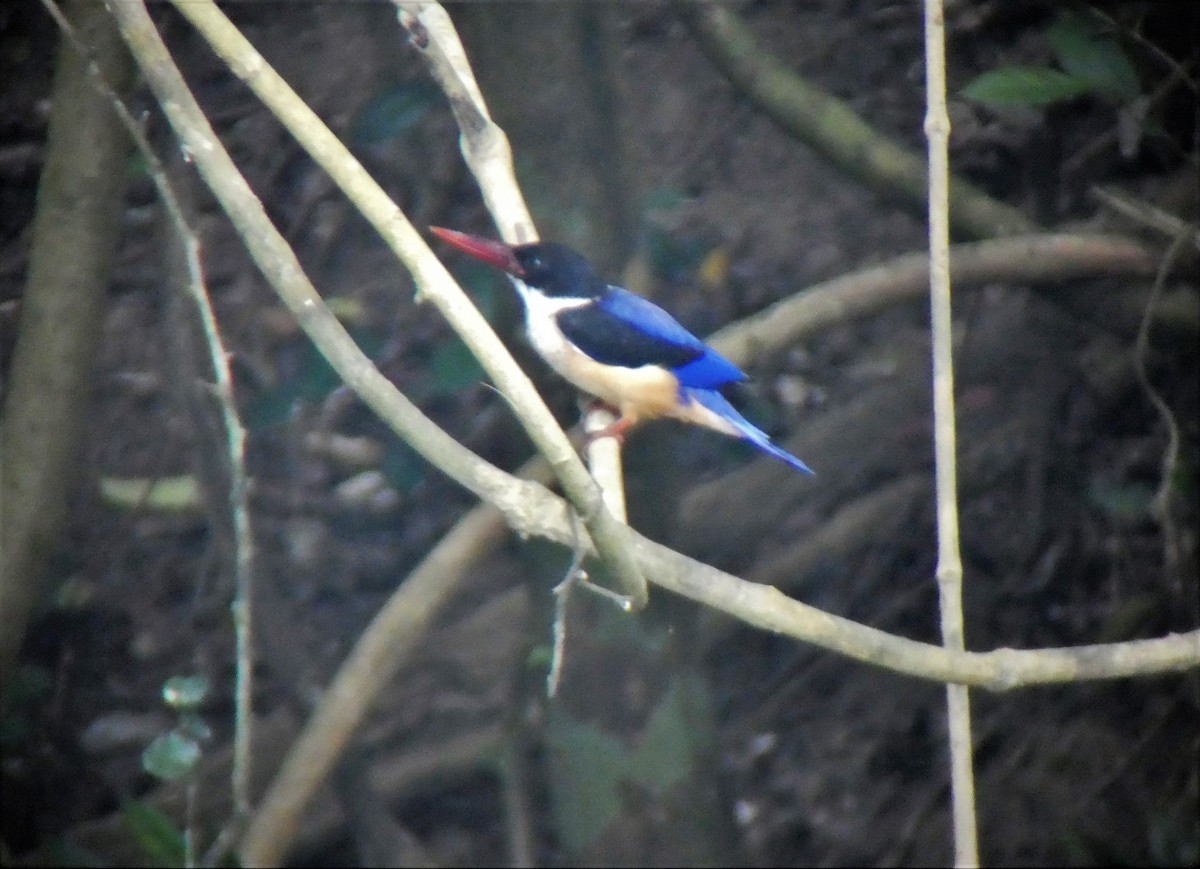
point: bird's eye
(534, 263)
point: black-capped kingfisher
(616, 346)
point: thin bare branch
(1147, 214)
(949, 563)
(1163, 507)
(234, 432)
(1039, 259)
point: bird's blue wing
(624, 329)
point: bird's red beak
(494, 253)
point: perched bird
(616, 346)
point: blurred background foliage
(679, 737)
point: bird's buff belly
(638, 393)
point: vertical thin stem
(235, 434)
(949, 566)
(189, 826)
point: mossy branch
(836, 131)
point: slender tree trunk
(75, 233)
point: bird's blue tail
(717, 403)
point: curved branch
(532, 510)
(997, 670)
(1033, 259)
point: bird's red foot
(616, 429)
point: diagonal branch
(433, 281)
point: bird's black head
(558, 271)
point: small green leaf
(540, 658)
(157, 835)
(392, 112)
(184, 692)
(589, 765)
(668, 749)
(1087, 53)
(171, 756)
(1031, 86)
